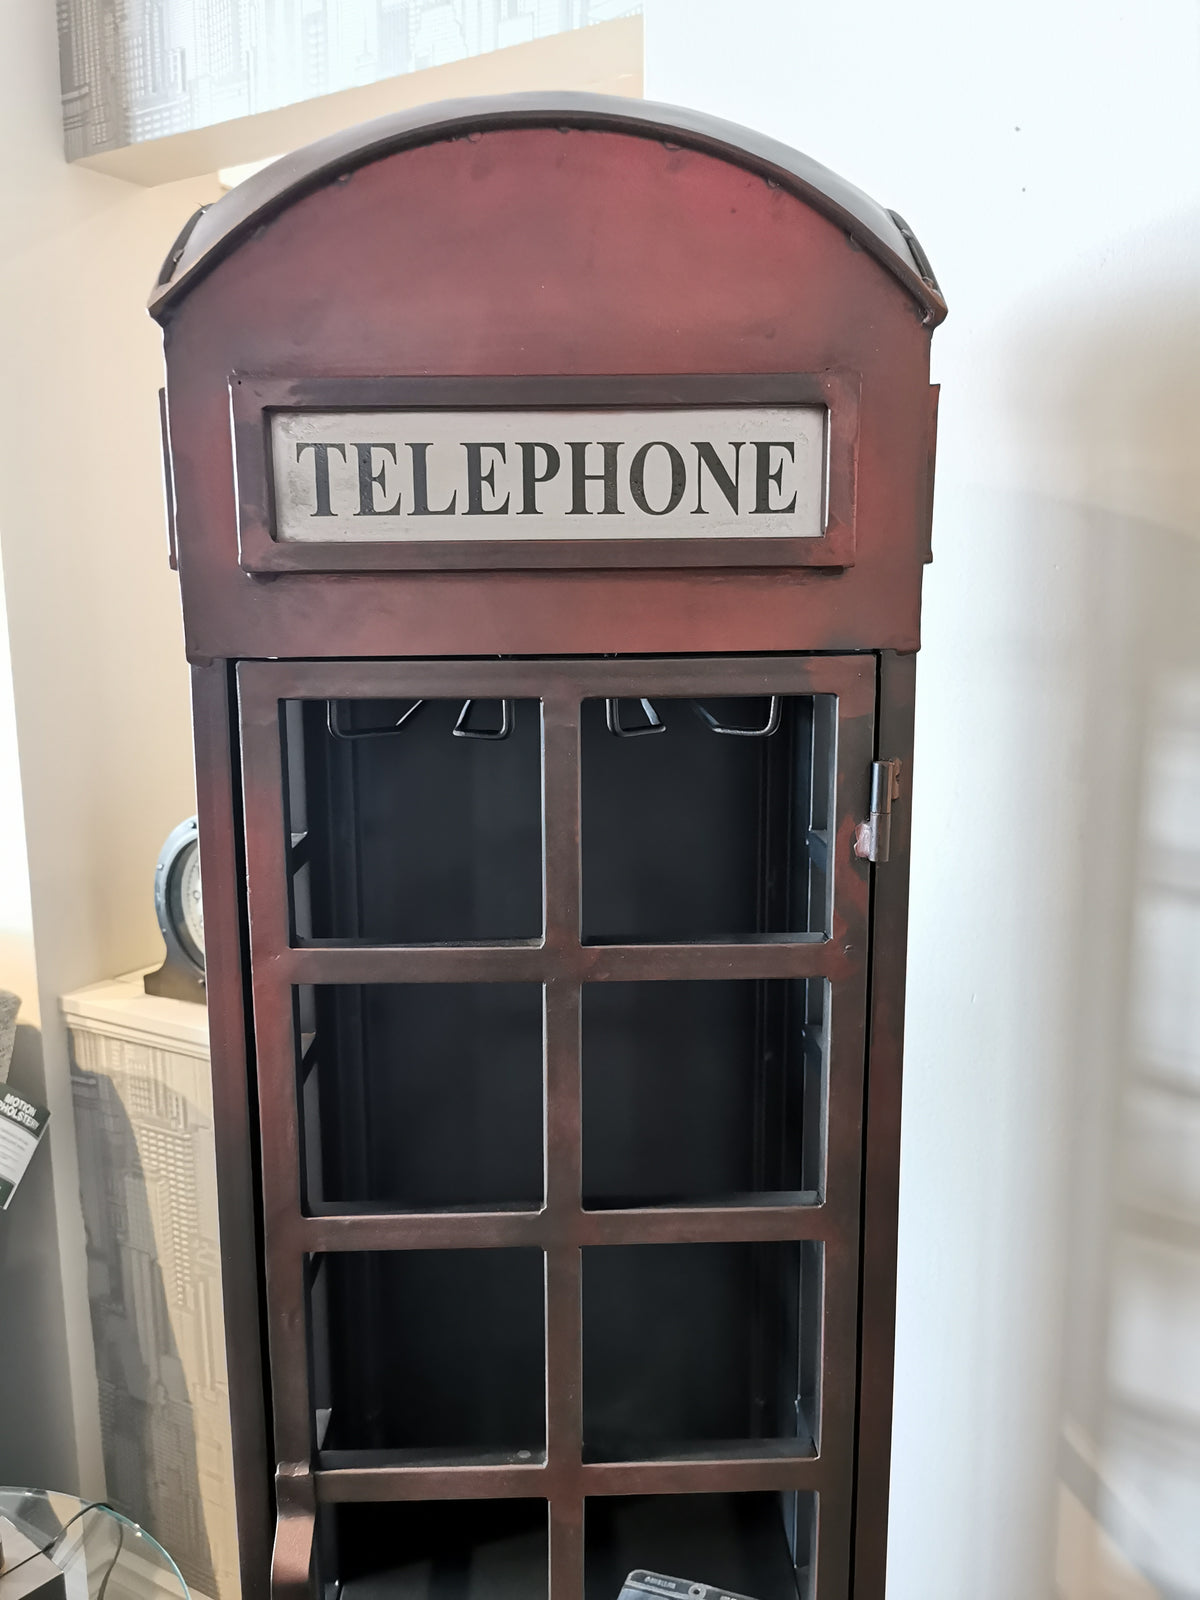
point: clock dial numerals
(191, 905)
(185, 906)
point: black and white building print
(134, 70)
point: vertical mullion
(560, 822)
(279, 1132)
(564, 1332)
(850, 931)
(566, 1546)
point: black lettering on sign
(321, 458)
(637, 478)
(581, 477)
(531, 477)
(478, 477)
(420, 467)
(764, 477)
(368, 480)
(665, 472)
(727, 482)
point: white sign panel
(738, 472)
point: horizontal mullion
(536, 961)
(504, 1479)
(436, 1230)
(524, 961)
(709, 1224)
(499, 1229)
(680, 1453)
(771, 1469)
(719, 1475)
(678, 677)
(803, 957)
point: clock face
(186, 906)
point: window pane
(693, 831)
(410, 824)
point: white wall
(1048, 1368)
(17, 971)
(99, 679)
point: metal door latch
(873, 838)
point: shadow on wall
(1130, 1444)
(146, 1411)
(1048, 1349)
(1130, 1453)
(37, 1431)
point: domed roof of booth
(217, 230)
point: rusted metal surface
(294, 1551)
(562, 962)
(873, 838)
(545, 253)
(881, 1170)
(234, 1129)
(595, 259)
(214, 231)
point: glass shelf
(92, 1545)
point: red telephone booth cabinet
(551, 485)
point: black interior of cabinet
(413, 834)
(760, 1545)
(430, 1097)
(702, 1092)
(694, 1349)
(422, 1097)
(437, 1351)
(407, 832)
(437, 1550)
(691, 834)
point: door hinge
(873, 838)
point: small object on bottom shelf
(640, 1584)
